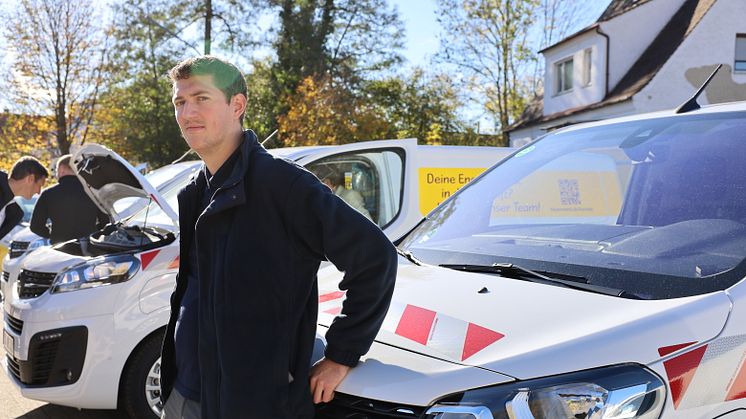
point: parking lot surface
(13, 405)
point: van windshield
(656, 207)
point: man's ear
(238, 105)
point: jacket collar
(231, 192)
(249, 144)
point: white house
(640, 56)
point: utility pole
(208, 25)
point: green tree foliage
(325, 112)
(487, 40)
(416, 106)
(136, 116)
(346, 40)
(149, 37)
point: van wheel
(140, 391)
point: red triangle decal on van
(478, 338)
(146, 258)
(681, 370)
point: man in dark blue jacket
(254, 229)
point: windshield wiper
(409, 256)
(519, 272)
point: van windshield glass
(656, 207)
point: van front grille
(33, 284)
(345, 406)
(17, 249)
(14, 324)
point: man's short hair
(226, 76)
(28, 165)
(64, 160)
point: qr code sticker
(569, 192)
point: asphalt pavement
(13, 405)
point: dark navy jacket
(259, 245)
(13, 212)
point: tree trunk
(208, 25)
(61, 124)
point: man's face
(38, 184)
(204, 116)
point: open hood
(107, 178)
(527, 330)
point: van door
(376, 178)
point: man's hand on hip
(325, 378)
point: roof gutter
(608, 54)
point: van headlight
(619, 392)
(95, 273)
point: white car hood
(26, 235)
(527, 330)
(107, 178)
(47, 259)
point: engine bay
(116, 238)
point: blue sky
(419, 17)
(420, 21)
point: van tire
(137, 374)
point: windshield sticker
(562, 192)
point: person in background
(27, 176)
(71, 211)
(334, 180)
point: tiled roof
(618, 7)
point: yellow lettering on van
(438, 183)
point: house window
(740, 53)
(564, 75)
(587, 66)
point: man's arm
(13, 216)
(40, 216)
(327, 227)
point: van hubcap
(153, 388)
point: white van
(597, 273)
(85, 319)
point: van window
(369, 181)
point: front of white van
(595, 274)
(80, 308)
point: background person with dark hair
(70, 209)
(27, 176)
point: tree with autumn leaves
(333, 73)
